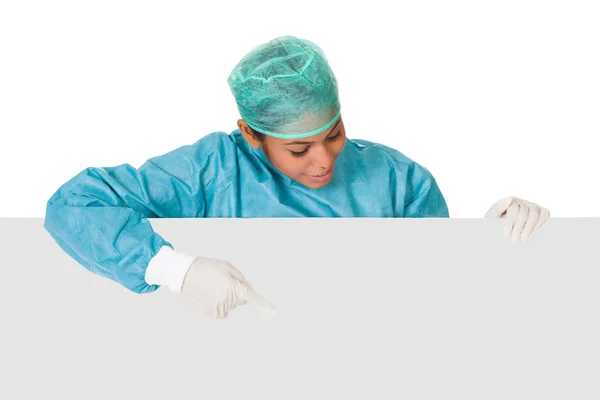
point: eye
(337, 136)
(299, 154)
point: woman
(289, 158)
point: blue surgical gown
(99, 217)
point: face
(309, 161)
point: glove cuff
(168, 268)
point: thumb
(252, 297)
(500, 207)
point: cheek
(296, 166)
(289, 165)
(338, 146)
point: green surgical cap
(286, 89)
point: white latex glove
(522, 217)
(216, 287)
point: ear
(248, 135)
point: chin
(316, 185)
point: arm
(424, 198)
(416, 192)
(99, 217)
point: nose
(322, 157)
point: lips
(322, 176)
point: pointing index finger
(252, 296)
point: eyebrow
(301, 142)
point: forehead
(315, 138)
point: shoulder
(214, 147)
(421, 193)
(377, 149)
(378, 154)
(212, 160)
(215, 142)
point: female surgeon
(290, 157)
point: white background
(495, 98)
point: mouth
(321, 177)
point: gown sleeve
(99, 217)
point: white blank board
(367, 308)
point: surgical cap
(286, 89)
